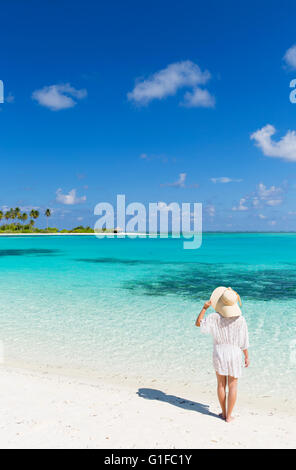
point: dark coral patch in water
(124, 261)
(198, 281)
(28, 252)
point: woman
(230, 335)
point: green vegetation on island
(17, 222)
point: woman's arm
(202, 313)
(247, 360)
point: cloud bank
(198, 98)
(284, 148)
(225, 179)
(70, 198)
(168, 81)
(57, 97)
(290, 57)
(178, 184)
(242, 205)
(262, 197)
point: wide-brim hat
(225, 301)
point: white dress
(230, 337)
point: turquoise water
(127, 307)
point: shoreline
(136, 234)
(259, 400)
(73, 234)
(46, 410)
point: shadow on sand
(153, 394)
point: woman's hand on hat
(207, 304)
(202, 313)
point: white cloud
(261, 216)
(272, 222)
(159, 157)
(270, 196)
(263, 196)
(225, 179)
(274, 202)
(57, 97)
(241, 206)
(211, 210)
(180, 183)
(181, 180)
(255, 201)
(265, 193)
(290, 57)
(29, 208)
(22, 208)
(168, 81)
(198, 98)
(70, 198)
(285, 148)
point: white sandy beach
(59, 234)
(41, 410)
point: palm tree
(24, 217)
(7, 215)
(34, 214)
(18, 214)
(48, 214)
(1, 215)
(12, 214)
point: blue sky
(105, 98)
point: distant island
(17, 222)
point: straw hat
(224, 301)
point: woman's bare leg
(221, 391)
(232, 394)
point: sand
(42, 410)
(55, 234)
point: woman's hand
(247, 362)
(203, 312)
(207, 304)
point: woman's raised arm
(202, 313)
